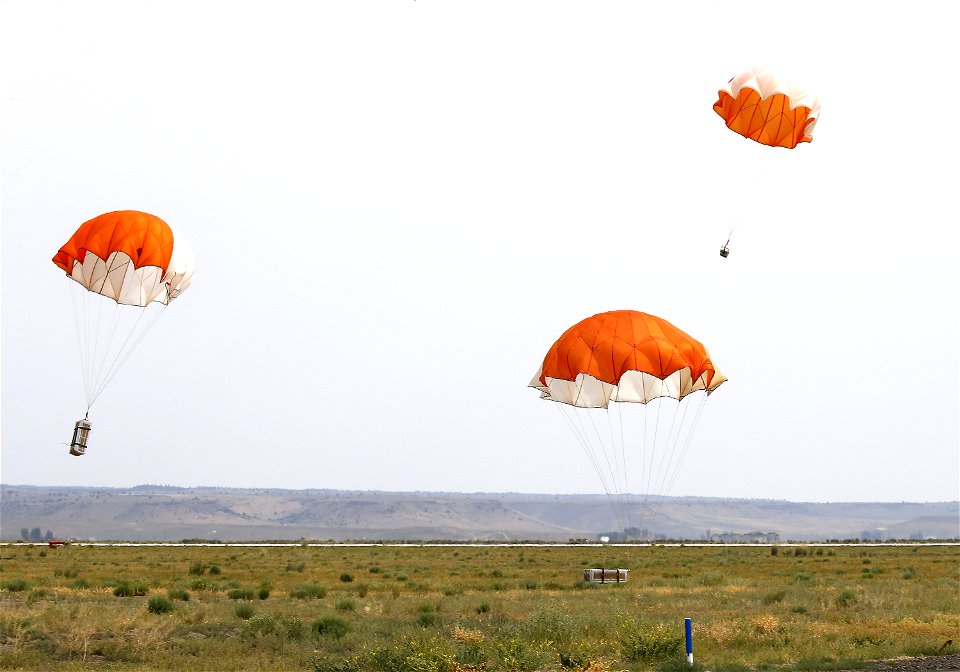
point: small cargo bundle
(605, 575)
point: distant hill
(163, 513)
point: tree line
(35, 534)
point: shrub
(428, 619)
(16, 585)
(908, 573)
(263, 593)
(36, 595)
(643, 643)
(178, 593)
(777, 596)
(214, 569)
(295, 567)
(346, 577)
(346, 605)
(846, 598)
(158, 604)
(308, 591)
(331, 626)
(483, 608)
(263, 624)
(375, 570)
(240, 593)
(244, 611)
(200, 584)
(362, 590)
(711, 579)
(197, 568)
(130, 589)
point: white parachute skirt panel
(767, 84)
(117, 279)
(633, 387)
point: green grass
(484, 607)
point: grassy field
(425, 609)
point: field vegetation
(440, 609)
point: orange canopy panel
(759, 106)
(146, 239)
(630, 356)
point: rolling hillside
(160, 513)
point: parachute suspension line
(100, 366)
(688, 440)
(613, 490)
(684, 447)
(666, 459)
(124, 352)
(583, 439)
(648, 467)
(623, 460)
(601, 450)
(619, 487)
(84, 367)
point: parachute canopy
(128, 266)
(760, 106)
(131, 257)
(624, 355)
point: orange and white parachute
(125, 267)
(763, 107)
(624, 381)
(131, 257)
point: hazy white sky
(398, 206)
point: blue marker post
(688, 626)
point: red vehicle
(57, 542)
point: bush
(777, 596)
(240, 593)
(846, 598)
(244, 611)
(196, 568)
(641, 643)
(214, 569)
(331, 626)
(130, 589)
(483, 608)
(428, 619)
(362, 590)
(346, 605)
(264, 624)
(346, 578)
(308, 591)
(16, 585)
(178, 594)
(158, 604)
(263, 593)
